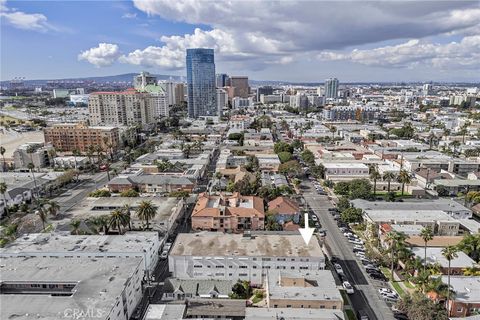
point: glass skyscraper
(201, 88)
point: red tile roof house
(234, 213)
(284, 209)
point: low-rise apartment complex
(212, 255)
(233, 213)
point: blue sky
(268, 40)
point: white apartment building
(344, 171)
(77, 288)
(169, 89)
(159, 106)
(214, 255)
(138, 245)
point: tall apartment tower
(143, 79)
(331, 88)
(201, 88)
(179, 93)
(240, 87)
(168, 87)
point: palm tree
(31, 166)
(76, 153)
(186, 149)
(455, 144)
(3, 190)
(333, 129)
(146, 211)
(396, 241)
(42, 215)
(427, 235)
(53, 208)
(403, 178)
(4, 164)
(128, 215)
(470, 244)
(450, 253)
(52, 153)
(75, 224)
(388, 176)
(464, 130)
(117, 219)
(422, 280)
(374, 175)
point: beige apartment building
(125, 108)
(79, 136)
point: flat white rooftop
(434, 255)
(98, 284)
(340, 165)
(130, 242)
(293, 314)
(408, 215)
(224, 244)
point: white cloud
(277, 32)
(103, 55)
(25, 21)
(463, 54)
(129, 15)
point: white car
(359, 247)
(338, 269)
(164, 255)
(348, 287)
(314, 217)
(355, 241)
(360, 254)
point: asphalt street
(366, 296)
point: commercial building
(222, 80)
(79, 99)
(141, 81)
(214, 255)
(76, 288)
(151, 183)
(79, 136)
(233, 213)
(238, 103)
(127, 108)
(361, 113)
(131, 245)
(331, 88)
(201, 88)
(344, 171)
(33, 152)
(299, 101)
(312, 289)
(239, 86)
(265, 90)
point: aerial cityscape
(258, 160)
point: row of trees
(118, 219)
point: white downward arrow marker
(306, 232)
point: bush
(284, 156)
(100, 193)
(130, 193)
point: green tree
(308, 157)
(282, 147)
(42, 214)
(75, 225)
(404, 178)
(146, 211)
(360, 189)
(253, 164)
(427, 235)
(342, 188)
(284, 156)
(3, 190)
(118, 218)
(130, 193)
(396, 241)
(343, 204)
(352, 215)
(241, 290)
(53, 208)
(470, 245)
(374, 175)
(389, 176)
(449, 253)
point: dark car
(333, 209)
(400, 316)
(377, 276)
(355, 250)
(372, 270)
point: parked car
(360, 254)
(385, 291)
(362, 315)
(400, 316)
(164, 255)
(338, 268)
(355, 250)
(314, 217)
(378, 276)
(348, 287)
(359, 247)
